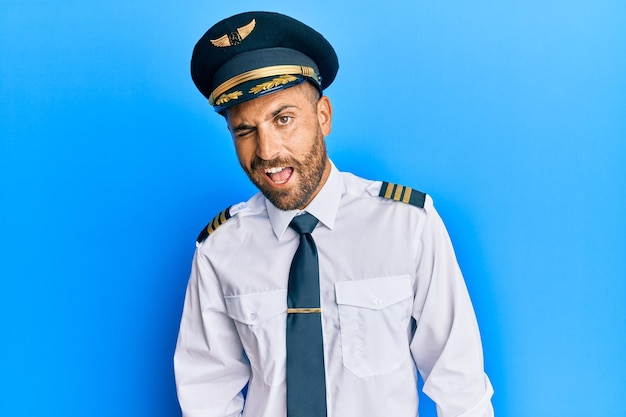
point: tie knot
(304, 223)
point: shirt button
(253, 316)
(378, 301)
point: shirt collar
(324, 206)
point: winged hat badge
(234, 38)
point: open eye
(283, 120)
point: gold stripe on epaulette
(398, 194)
(217, 222)
(407, 195)
(402, 193)
(388, 190)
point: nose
(268, 144)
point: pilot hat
(257, 53)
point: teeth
(274, 170)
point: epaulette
(217, 221)
(401, 193)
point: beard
(310, 171)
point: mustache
(258, 163)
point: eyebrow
(280, 109)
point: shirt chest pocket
(374, 318)
(260, 319)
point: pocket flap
(375, 293)
(254, 308)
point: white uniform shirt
(392, 297)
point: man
(325, 293)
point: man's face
(279, 139)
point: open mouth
(278, 175)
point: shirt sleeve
(209, 362)
(446, 345)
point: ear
(325, 115)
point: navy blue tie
(306, 382)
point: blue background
(511, 114)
